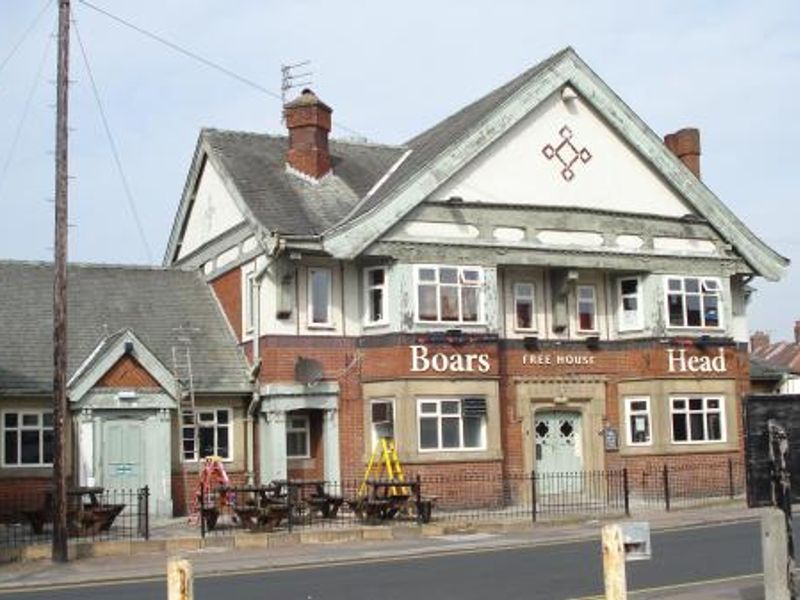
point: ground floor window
(637, 419)
(697, 419)
(298, 436)
(451, 423)
(28, 438)
(382, 419)
(206, 432)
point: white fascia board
(109, 357)
(349, 241)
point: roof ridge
(274, 136)
(87, 265)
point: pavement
(408, 542)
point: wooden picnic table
(386, 498)
(83, 517)
(309, 494)
(264, 510)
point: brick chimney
(797, 332)
(760, 339)
(685, 144)
(309, 122)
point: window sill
(375, 325)
(321, 326)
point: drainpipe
(256, 370)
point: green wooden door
(123, 454)
(558, 454)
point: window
(249, 304)
(319, 297)
(376, 299)
(451, 424)
(206, 432)
(382, 418)
(28, 438)
(693, 302)
(449, 294)
(637, 418)
(298, 436)
(524, 307)
(630, 304)
(587, 308)
(697, 419)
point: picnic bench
(264, 510)
(87, 516)
(387, 498)
(311, 494)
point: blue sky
(389, 70)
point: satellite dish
(308, 371)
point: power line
(113, 146)
(194, 56)
(25, 111)
(25, 35)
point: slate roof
(432, 142)
(103, 300)
(285, 203)
(782, 355)
(761, 370)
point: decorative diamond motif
(542, 430)
(567, 154)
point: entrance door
(123, 454)
(558, 454)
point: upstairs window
(319, 297)
(629, 313)
(524, 319)
(376, 300)
(249, 304)
(449, 294)
(587, 308)
(28, 438)
(693, 302)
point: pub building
(538, 283)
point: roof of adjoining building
(761, 370)
(782, 355)
(158, 305)
(285, 203)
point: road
(558, 570)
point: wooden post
(60, 291)
(179, 579)
(614, 563)
(774, 552)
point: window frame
(479, 286)
(40, 412)
(595, 317)
(532, 298)
(249, 303)
(391, 403)
(721, 411)
(306, 429)
(196, 425)
(701, 279)
(368, 288)
(639, 325)
(311, 324)
(630, 412)
(438, 415)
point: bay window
(449, 294)
(637, 420)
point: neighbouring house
(537, 283)
(775, 367)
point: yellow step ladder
(383, 464)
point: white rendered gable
(525, 166)
(212, 213)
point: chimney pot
(309, 122)
(797, 332)
(685, 144)
(759, 339)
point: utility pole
(60, 291)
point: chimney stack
(685, 144)
(309, 122)
(760, 339)
(797, 332)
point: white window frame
(578, 300)
(196, 425)
(516, 296)
(639, 324)
(701, 281)
(479, 285)
(438, 416)
(19, 429)
(249, 302)
(368, 288)
(310, 298)
(390, 402)
(630, 412)
(704, 411)
(305, 429)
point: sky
(389, 70)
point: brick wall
(228, 290)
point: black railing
(93, 514)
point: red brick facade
(228, 290)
